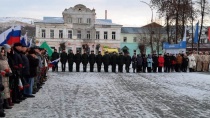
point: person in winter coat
(173, 62)
(71, 60)
(99, 61)
(92, 60)
(2, 114)
(149, 63)
(63, 59)
(155, 63)
(106, 61)
(185, 63)
(179, 60)
(55, 56)
(139, 63)
(167, 63)
(114, 62)
(18, 66)
(160, 63)
(134, 62)
(84, 61)
(120, 60)
(192, 62)
(200, 62)
(33, 64)
(144, 63)
(77, 60)
(206, 62)
(127, 62)
(5, 71)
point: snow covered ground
(119, 95)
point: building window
(79, 34)
(88, 34)
(134, 39)
(97, 35)
(69, 20)
(114, 35)
(52, 34)
(105, 35)
(60, 33)
(124, 39)
(88, 21)
(79, 20)
(70, 34)
(43, 33)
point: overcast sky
(124, 12)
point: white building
(78, 27)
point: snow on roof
(131, 30)
(52, 20)
(104, 22)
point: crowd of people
(140, 63)
(23, 72)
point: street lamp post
(150, 8)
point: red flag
(209, 33)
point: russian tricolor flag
(24, 40)
(10, 36)
(53, 63)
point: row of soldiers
(140, 63)
(23, 72)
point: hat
(31, 51)
(6, 47)
(17, 44)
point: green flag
(47, 47)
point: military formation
(181, 62)
(23, 72)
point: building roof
(104, 22)
(60, 20)
(52, 20)
(131, 30)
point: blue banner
(181, 45)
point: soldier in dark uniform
(85, 61)
(144, 62)
(120, 62)
(114, 62)
(71, 60)
(167, 62)
(106, 61)
(63, 59)
(99, 61)
(155, 62)
(77, 60)
(55, 56)
(92, 60)
(127, 62)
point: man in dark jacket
(33, 64)
(71, 60)
(99, 61)
(92, 60)
(127, 62)
(106, 61)
(55, 56)
(77, 60)
(114, 62)
(120, 60)
(139, 63)
(2, 114)
(155, 62)
(63, 59)
(84, 61)
(167, 62)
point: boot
(6, 104)
(10, 102)
(2, 114)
